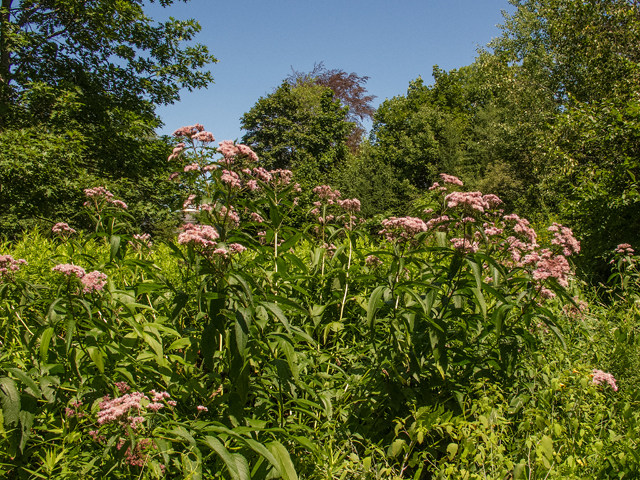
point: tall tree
(349, 88)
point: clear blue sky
(257, 42)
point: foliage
(271, 352)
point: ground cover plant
(453, 343)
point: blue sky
(257, 43)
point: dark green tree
(90, 73)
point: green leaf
(96, 356)
(277, 311)
(179, 344)
(45, 339)
(546, 446)
(452, 449)
(372, 306)
(286, 468)
(10, 400)
(115, 247)
(228, 459)
(28, 381)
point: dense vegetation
(311, 303)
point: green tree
(298, 126)
(89, 73)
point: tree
(348, 88)
(89, 74)
(296, 126)
(107, 48)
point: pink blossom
(563, 236)
(189, 201)
(470, 200)
(262, 174)
(202, 408)
(174, 175)
(116, 409)
(600, 377)
(281, 176)
(492, 200)
(62, 228)
(144, 239)
(123, 387)
(8, 266)
(231, 178)
(228, 150)
(256, 218)
(326, 193)
(188, 131)
(403, 228)
(465, 245)
(236, 248)
(230, 217)
(69, 270)
(556, 267)
(119, 204)
(204, 137)
(522, 227)
(252, 185)
(451, 179)
(210, 167)
(352, 205)
(625, 249)
(438, 221)
(93, 282)
(434, 186)
(97, 192)
(193, 167)
(372, 261)
(202, 236)
(246, 151)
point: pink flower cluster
(451, 179)
(116, 409)
(469, 200)
(189, 131)
(142, 239)
(229, 151)
(552, 266)
(139, 456)
(177, 150)
(91, 282)
(522, 227)
(624, 249)
(402, 229)
(563, 236)
(8, 266)
(350, 205)
(204, 137)
(600, 377)
(465, 245)
(327, 194)
(62, 228)
(231, 178)
(193, 167)
(372, 261)
(98, 194)
(438, 222)
(202, 236)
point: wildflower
(624, 249)
(352, 205)
(228, 150)
(188, 131)
(144, 239)
(236, 248)
(402, 229)
(465, 245)
(247, 152)
(470, 200)
(193, 167)
(69, 270)
(202, 236)
(434, 186)
(563, 236)
(208, 168)
(372, 261)
(256, 218)
(189, 201)
(492, 200)
(116, 409)
(8, 266)
(281, 176)
(231, 179)
(437, 222)
(202, 408)
(204, 137)
(262, 174)
(119, 204)
(252, 185)
(522, 227)
(123, 387)
(556, 267)
(93, 282)
(62, 228)
(326, 193)
(451, 179)
(600, 377)
(174, 175)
